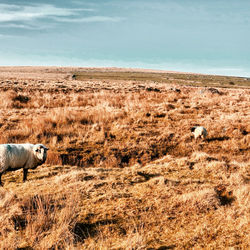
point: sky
(211, 37)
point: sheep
(199, 131)
(25, 156)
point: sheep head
(193, 129)
(40, 152)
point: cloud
(23, 26)
(11, 13)
(89, 19)
(30, 16)
(3, 36)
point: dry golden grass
(123, 171)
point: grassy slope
(165, 203)
(168, 78)
(148, 184)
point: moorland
(123, 170)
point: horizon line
(135, 69)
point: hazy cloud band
(10, 14)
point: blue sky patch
(192, 36)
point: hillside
(123, 171)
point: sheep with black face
(25, 156)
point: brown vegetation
(123, 170)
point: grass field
(167, 78)
(123, 171)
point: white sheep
(26, 156)
(199, 131)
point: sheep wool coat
(15, 156)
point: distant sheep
(26, 156)
(199, 132)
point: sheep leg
(25, 172)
